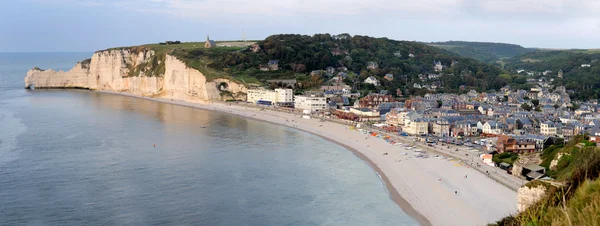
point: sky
(90, 25)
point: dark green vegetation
(585, 80)
(483, 51)
(507, 157)
(575, 203)
(298, 55)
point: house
(372, 65)
(441, 127)
(437, 66)
(411, 55)
(487, 159)
(373, 100)
(389, 77)
(541, 142)
(263, 67)
(330, 70)
(493, 127)
(372, 80)
(434, 76)
(524, 123)
(595, 135)
(512, 124)
(567, 131)
(464, 128)
(510, 144)
(255, 48)
(486, 110)
(273, 65)
(548, 128)
(547, 72)
(586, 65)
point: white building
(310, 103)
(285, 95)
(548, 128)
(273, 96)
(372, 80)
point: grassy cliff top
(575, 203)
(204, 58)
(162, 48)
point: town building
(273, 65)
(312, 103)
(510, 144)
(373, 100)
(418, 126)
(493, 127)
(280, 97)
(366, 114)
(548, 128)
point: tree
(526, 107)
(525, 98)
(535, 102)
(556, 106)
(439, 103)
(574, 107)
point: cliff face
(124, 71)
(529, 195)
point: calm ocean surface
(71, 157)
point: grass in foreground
(577, 203)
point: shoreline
(392, 191)
(411, 183)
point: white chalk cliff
(111, 70)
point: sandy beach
(434, 190)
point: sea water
(76, 157)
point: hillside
(581, 69)
(483, 51)
(413, 68)
(299, 55)
(577, 202)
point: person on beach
(465, 176)
(455, 192)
